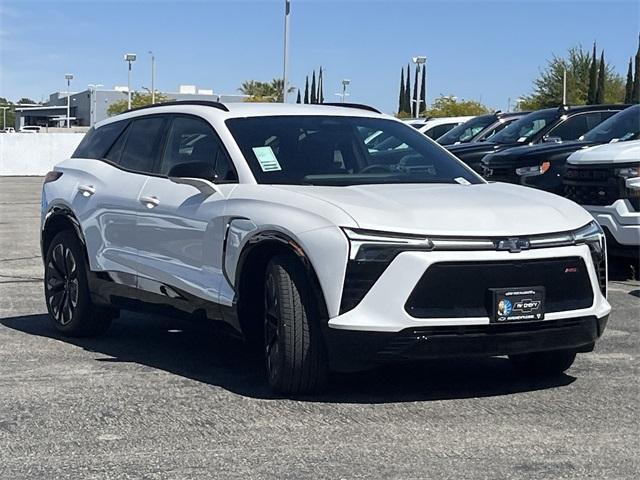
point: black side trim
(204, 103)
(357, 106)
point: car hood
(619, 152)
(473, 147)
(494, 210)
(526, 154)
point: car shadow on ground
(194, 352)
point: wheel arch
(57, 219)
(250, 270)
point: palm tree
(257, 91)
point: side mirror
(196, 174)
(552, 140)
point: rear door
(181, 228)
(104, 197)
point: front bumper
(350, 351)
(366, 333)
(620, 220)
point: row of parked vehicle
(590, 154)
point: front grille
(596, 185)
(507, 175)
(462, 289)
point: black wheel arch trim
(289, 243)
(56, 211)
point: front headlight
(375, 246)
(593, 236)
(533, 171)
(627, 172)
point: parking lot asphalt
(159, 398)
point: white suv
(279, 222)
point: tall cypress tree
(298, 100)
(320, 87)
(628, 88)
(593, 78)
(414, 105)
(602, 71)
(423, 90)
(314, 99)
(635, 95)
(401, 97)
(306, 90)
(407, 91)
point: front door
(181, 228)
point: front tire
(294, 350)
(543, 363)
(67, 292)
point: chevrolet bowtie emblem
(514, 245)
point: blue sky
(486, 50)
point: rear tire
(294, 349)
(67, 292)
(543, 363)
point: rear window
(97, 141)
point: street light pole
(129, 58)
(285, 79)
(345, 82)
(94, 101)
(68, 77)
(420, 62)
(564, 85)
(153, 77)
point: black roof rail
(352, 105)
(204, 103)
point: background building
(90, 106)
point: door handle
(150, 202)
(86, 190)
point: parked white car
(279, 222)
(606, 180)
(30, 129)
(436, 127)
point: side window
(116, 149)
(439, 130)
(192, 140)
(143, 143)
(571, 128)
(97, 141)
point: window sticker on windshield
(267, 159)
(462, 181)
(522, 139)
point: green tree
(314, 92)
(593, 78)
(423, 90)
(635, 95)
(138, 99)
(602, 72)
(257, 91)
(414, 105)
(306, 90)
(9, 113)
(407, 91)
(26, 101)
(450, 106)
(401, 96)
(298, 99)
(547, 88)
(628, 87)
(320, 87)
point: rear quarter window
(97, 142)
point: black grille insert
(461, 289)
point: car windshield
(333, 150)
(524, 129)
(466, 131)
(622, 126)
